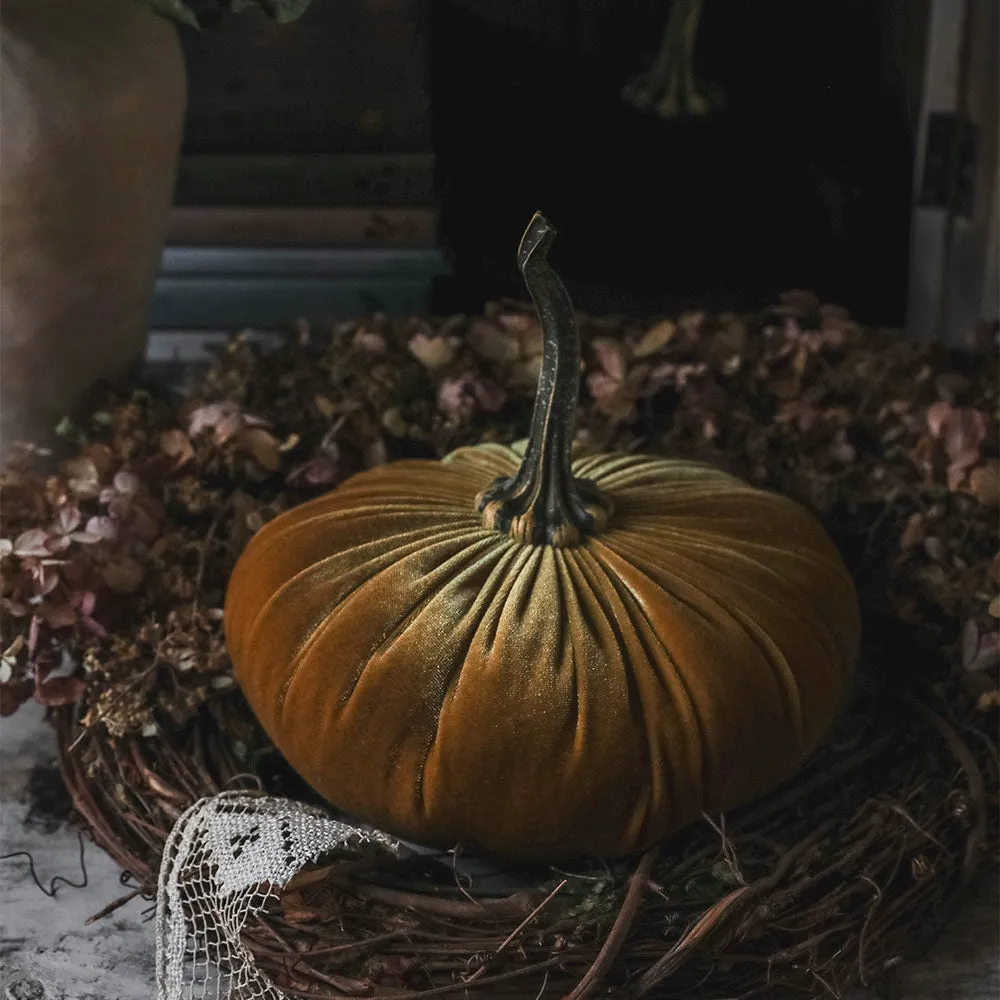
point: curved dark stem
(542, 503)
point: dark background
(802, 180)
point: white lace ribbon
(223, 862)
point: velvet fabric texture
(449, 684)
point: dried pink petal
(956, 476)
(316, 472)
(85, 538)
(102, 527)
(937, 416)
(206, 417)
(964, 432)
(490, 397)
(611, 357)
(456, 397)
(370, 342)
(603, 387)
(224, 418)
(34, 632)
(33, 542)
(67, 519)
(126, 483)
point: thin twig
(977, 787)
(517, 930)
(115, 904)
(616, 938)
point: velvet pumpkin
(538, 654)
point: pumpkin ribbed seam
(521, 554)
(703, 775)
(586, 706)
(497, 573)
(567, 589)
(781, 672)
(314, 632)
(591, 567)
(407, 616)
(826, 637)
(636, 562)
(619, 474)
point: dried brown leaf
(655, 339)
(434, 352)
(984, 484)
(177, 446)
(492, 343)
(54, 692)
(262, 446)
(914, 533)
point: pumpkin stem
(542, 503)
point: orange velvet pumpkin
(540, 655)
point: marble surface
(49, 953)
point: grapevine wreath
(785, 477)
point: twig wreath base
(823, 885)
(826, 884)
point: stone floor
(49, 953)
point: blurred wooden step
(230, 288)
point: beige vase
(92, 97)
